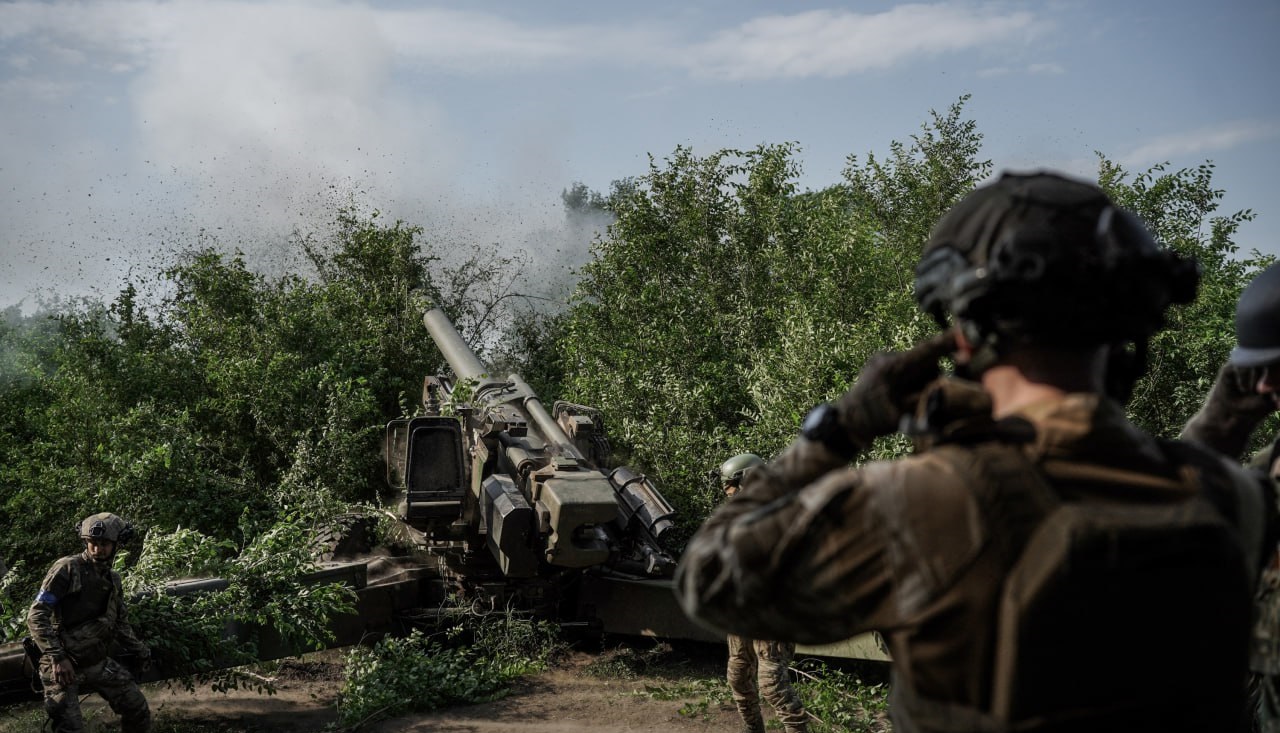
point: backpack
(1128, 607)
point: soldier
(78, 613)
(1247, 389)
(1040, 564)
(1245, 392)
(759, 667)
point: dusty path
(562, 700)
(567, 701)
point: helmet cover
(1042, 258)
(732, 470)
(105, 526)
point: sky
(129, 129)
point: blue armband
(46, 598)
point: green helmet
(732, 470)
(105, 526)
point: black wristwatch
(822, 425)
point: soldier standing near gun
(1040, 564)
(78, 613)
(1245, 392)
(758, 667)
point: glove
(887, 388)
(1230, 413)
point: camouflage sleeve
(1265, 459)
(41, 622)
(124, 634)
(796, 555)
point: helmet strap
(985, 349)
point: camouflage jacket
(814, 550)
(1265, 459)
(79, 612)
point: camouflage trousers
(1266, 692)
(107, 678)
(1264, 656)
(760, 667)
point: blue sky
(129, 128)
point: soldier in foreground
(1040, 564)
(78, 613)
(758, 667)
(1245, 392)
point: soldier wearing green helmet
(78, 614)
(1039, 563)
(756, 666)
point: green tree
(1180, 209)
(724, 302)
(218, 398)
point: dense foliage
(724, 302)
(266, 599)
(1180, 207)
(220, 401)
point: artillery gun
(516, 499)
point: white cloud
(125, 35)
(466, 41)
(1218, 138)
(832, 43)
(1030, 69)
(108, 34)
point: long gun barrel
(512, 391)
(461, 358)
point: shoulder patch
(46, 598)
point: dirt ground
(562, 700)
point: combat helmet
(1258, 321)
(105, 526)
(1039, 258)
(732, 470)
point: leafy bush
(13, 608)
(840, 701)
(200, 635)
(423, 672)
